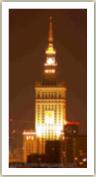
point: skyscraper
(50, 105)
(50, 97)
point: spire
(50, 37)
(50, 50)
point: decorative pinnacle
(50, 37)
(50, 50)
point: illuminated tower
(50, 97)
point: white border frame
(90, 88)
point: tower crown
(50, 64)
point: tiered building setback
(50, 105)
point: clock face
(50, 61)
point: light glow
(49, 129)
(50, 50)
(29, 133)
(39, 131)
(29, 137)
(58, 130)
(84, 160)
(50, 61)
(49, 117)
(49, 71)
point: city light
(50, 61)
(30, 137)
(39, 131)
(49, 70)
(53, 135)
(49, 130)
(84, 160)
(49, 117)
(50, 50)
(29, 132)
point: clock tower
(50, 97)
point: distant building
(71, 130)
(82, 151)
(35, 160)
(53, 152)
(29, 144)
(74, 146)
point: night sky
(28, 39)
